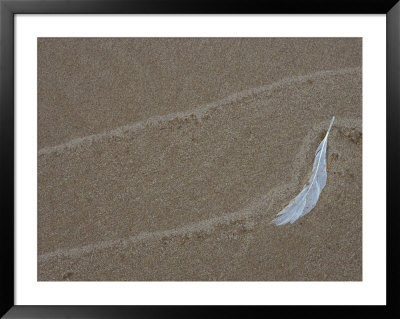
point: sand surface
(167, 159)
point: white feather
(304, 202)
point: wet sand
(135, 184)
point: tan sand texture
(187, 190)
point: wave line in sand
(199, 111)
(258, 206)
(187, 230)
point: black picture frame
(8, 9)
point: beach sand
(167, 159)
